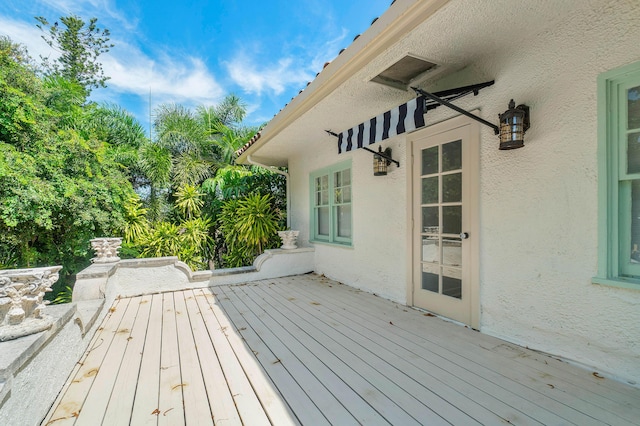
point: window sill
(628, 283)
(332, 244)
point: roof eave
(400, 19)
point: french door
(444, 237)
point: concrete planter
(22, 300)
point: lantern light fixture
(381, 160)
(514, 122)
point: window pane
(635, 221)
(346, 177)
(430, 277)
(452, 282)
(430, 160)
(452, 188)
(633, 108)
(323, 221)
(430, 220)
(337, 177)
(452, 156)
(324, 182)
(633, 153)
(452, 219)
(324, 197)
(431, 249)
(337, 196)
(452, 251)
(430, 190)
(346, 194)
(344, 221)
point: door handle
(464, 235)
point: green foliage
(248, 225)
(60, 182)
(80, 45)
(189, 201)
(63, 296)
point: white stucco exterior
(538, 213)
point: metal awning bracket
(448, 104)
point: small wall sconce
(381, 160)
(514, 122)
(380, 164)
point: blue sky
(196, 52)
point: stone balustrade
(289, 239)
(22, 300)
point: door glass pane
(344, 220)
(452, 251)
(430, 220)
(346, 194)
(452, 156)
(430, 277)
(635, 222)
(430, 160)
(633, 153)
(452, 188)
(452, 282)
(451, 219)
(431, 249)
(430, 190)
(633, 108)
(323, 221)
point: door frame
(471, 208)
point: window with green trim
(619, 171)
(331, 204)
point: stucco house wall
(538, 205)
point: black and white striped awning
(404, 118)
(401, 119)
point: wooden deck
(307, 350)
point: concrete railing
(134, 277)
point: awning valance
(401, 119)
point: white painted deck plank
(67, 412)
(372, 388)
(223, 408)
(120, 405)
(145, 404)
(171, 403)
(475, 402)
(300, 362)
(457, 340)
(249, 407)
(277, 410)
(489, 365)
(197, 411)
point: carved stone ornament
(22, 301)
(289, 239)
(106, 249)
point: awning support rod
(455, 108)
(382, 154)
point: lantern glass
(380, 164)
(512, 127)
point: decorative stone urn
(106, 249)
(289, 239)
(22, 301)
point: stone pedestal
(22, 300)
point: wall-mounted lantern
(514, 122)
(381, 160)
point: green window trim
(615, 183)
(331, 205)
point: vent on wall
(405, 72)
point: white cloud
(169, 78)
(28, 35)
(273, 78)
